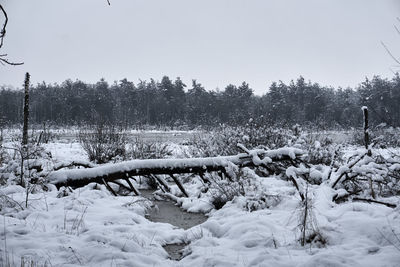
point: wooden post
(366, 131)
(26, 111)
(24, 148)
(366, 142)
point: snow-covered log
(110, 172)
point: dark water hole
(167, 212)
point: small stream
(167, 212)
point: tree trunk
(366, 131)
(110, 172)
(26, 111)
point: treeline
(172, 103)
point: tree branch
(3, 29)
(390, 205)
(390, 53)
(3, 59)
(397, 29)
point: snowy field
(68, 135)
(262, 227)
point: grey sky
(217, 42)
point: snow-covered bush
(234, 182)
(382, 137)
(25, 163)
(261, 200)
(4, 157)
(3, 154)
(141, 149)
(223, 140)
(366, 176)
(103, 143)
(307, 223)
(8, 204)
(44, 136)
(320, 149)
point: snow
(268, 237)
(66, 151)
(87, 227)
(90, 227)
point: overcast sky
(217, 42)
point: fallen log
(110, 172)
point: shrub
(45, 135)
(223, 140)
(26, 162)
(320, 149)
(234, 182)
(380, 136)
(103, 143)
(308, 227)
(141, 149)
(4, 157)
(262, 201)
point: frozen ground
(90, 227)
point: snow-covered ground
(69, 135)
(91, 227)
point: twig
(9, 199)
(294, 181)
(390, 205)
(388, 240)
(303, 239)
(73, 251)
(397, 29)
(350, 166)
(390, 53)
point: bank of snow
(90, 227)
(356, 234)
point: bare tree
(3, 57)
